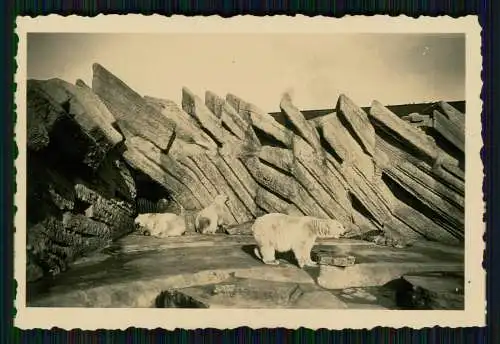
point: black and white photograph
(249, 170)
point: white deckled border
(90, 319)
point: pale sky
(315, 69)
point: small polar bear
(162, 225)
(282, 233)
(211, 217)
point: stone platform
(220, 271)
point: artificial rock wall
(99, 155)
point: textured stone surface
(135, 270)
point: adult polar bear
(162, 225)
(282, 233)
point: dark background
(488, 12)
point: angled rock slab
(91, 97)
(214, 103)
(136, 158)
(236, 210)
(239, 169)
(207, 120)
(84, 106)
(357, 122)
(271, 179)
(351, 179)
(187, 128)
(238, 104)
(449, 175)
(404, 131)
(451, 132)
(262, 120)
(447, 214)
(344, 145)
(239, 189)
(239, 127)
(304, 128)
(128, 106)
(88, 196)
(172, 168)
(72, 118)
(312, 173)
(452, 114)
(114, 179)
(281, 158)
(425, 226)
(271, 203)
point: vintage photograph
(247, 170)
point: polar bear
(211, 217)
(282, 233)
(162, 224)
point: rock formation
(96, 153)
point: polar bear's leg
(302, 252)
(268, 255)
(212, 228)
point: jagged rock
(136, 157)
(42, 115)
(313, 175)
(449, 130)
(195, 107)
(115, 180)
(403, 131)
(344, 145)
(355, 173)
(214, 103)
(53, 246)
(83, 225)
(90, 197)
(231, 119)
(424, 225)
(135, 114)
(305, 129)
(357, 122)
(261, 120)
(446, 205)
(271, 203)
(186, 128)
(239, 106)
(47, 188)
(237, 212)
(118, 215)
(280, 158)
(72, 118)
(451, 113)
(443, 119)
(240, 189)
(271, 179)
